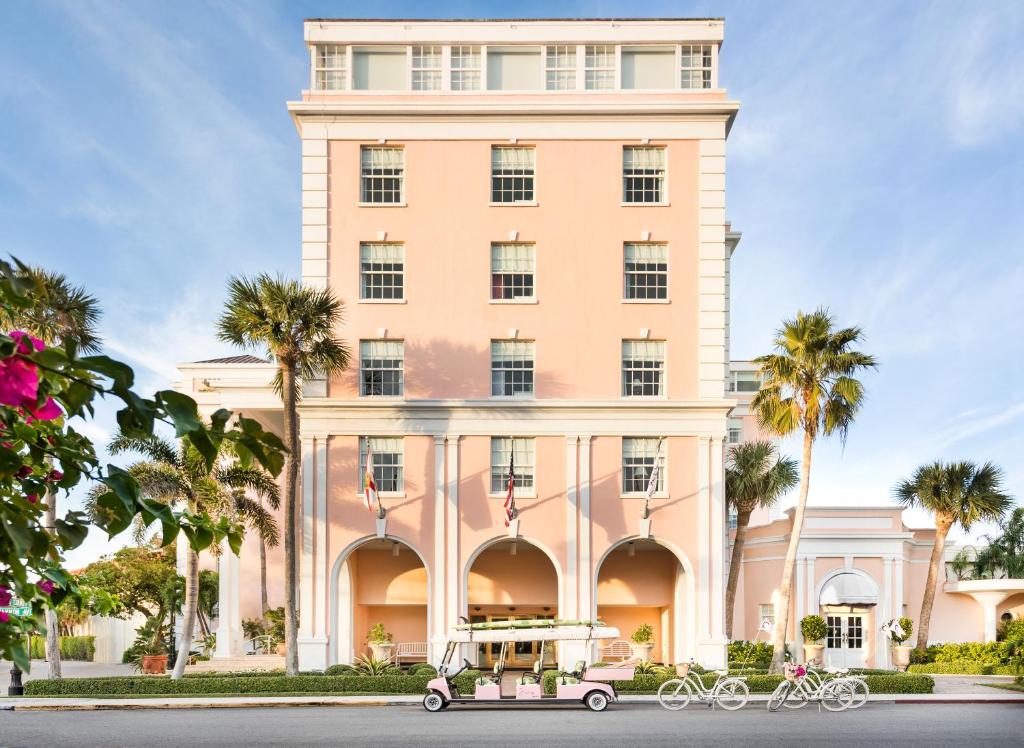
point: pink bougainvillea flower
(31, 498)
(55, 475)
(23, 472)
(5, 596)
(47, 412)
(46, 586)
(26, 342)
(19, 382)
(4, 618)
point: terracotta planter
(154, 664)
(643, 651)
(281, 649)
(813, 652)
(382, 650)
(901, 657)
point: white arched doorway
(378, 580)
(847, 599)
(509, 579)
(642, 580)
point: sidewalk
(994, 696)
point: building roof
(243, 359)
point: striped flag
(510, 498)
(369, 484)
(652, 484)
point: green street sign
(17, 608)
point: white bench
(617, 649)
(410, 651)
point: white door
(844, 643)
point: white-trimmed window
(382, 172)
(735, 433)
(766, 611)
(512, 173)
(512, 368)
(599, 67)
(648, 67)
(643, 368)
(744, 381)
(388, 463)
(645, 271)
(501, 453)
(512, 271)
(643, 175)
(638, 458)
(331, 67)
(381, 368)
(514, 68)
(560, 68)
(380, 68)
(381, 271)
(695, 61)
(466, 68)
(426, 68)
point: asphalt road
(622, 725)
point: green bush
(745, 654)
(71, 648)
(341, 670)
(644, 633)
(813, 628)
(985, 653)
(423, 668)
(954, 667)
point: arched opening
(640, 582)
(382, 581)
(847, 599)
(510, 580)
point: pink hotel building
(527, 222)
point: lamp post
(18, 608)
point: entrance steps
(241, 663)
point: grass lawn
(1005, 686)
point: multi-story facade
(526, 220)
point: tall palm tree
(178, 473)
(59, 312)
(957, 493)
(756, 476)
(808, 386)
(295, 326)
(1003, 554)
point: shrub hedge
(71, 648)
(962, 667)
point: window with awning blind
(646, 271)
(379, 68)
(382, 171)
(512, 174)
(512, 368)
(388, 467)
(643, 175)
(514, 69)
(649, 67)
(512, 270)
(643, 368)
(501, 455)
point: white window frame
(321, 69)
(379, 443)
(381, 350)
(687, 68)
(367, 248)
(498, 265)
(565, 73)
(766, 610)
(602, 69)
(626, 274)
(647, 445)
(734, 428)
(513, 352)
(532, 176)
(434, 73)
(637, 173)
(525, 467)
(734, 381)
(363, 176)
(457, 53)
(663, 370)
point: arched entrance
(847, 598)
(380, 580)
(508, 580)
(640, 581)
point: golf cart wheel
(596, 701)
(434, 702)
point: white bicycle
(730, 693)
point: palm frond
(254, 479)
(255, 516)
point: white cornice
(441, 105)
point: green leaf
(71, 534)
(234, 539)
(120, 374)
(183, 411)
(124, 486)
(19, 654)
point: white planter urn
(643, 651)
(901, 656)
(813, 653)
(382, 650)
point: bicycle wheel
(674, 694)
(860, 692)
(837, 696)
(797, 696)
(779, 696)
(732, 694)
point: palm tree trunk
(742, 520)
(264, 606)
(52, 627)
(188, 614)
(291, 477)
(942, 525)
(786, 585)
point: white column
(882, 652)
(711, 644)
(439, 581)
(453, 575)
(711, 301)
(181, 547)
(704, 549)
(989, 601)
(314, 222)
(306, 566)
(313, 593)
(229, 623)
(585, 571)
(718, 539)
(569, 609)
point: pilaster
(438, 575)
(229, 621)
(711, 282)
(569, 609)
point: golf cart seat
(573, 676)
(532, 676)
(493, 677)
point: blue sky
(875, 168)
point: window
(646, 271)
(638, 456)
(379, 68)
(512, 271)
(426, 68)
(501, 453)
(383, 175)
(387, 463)
(466, 68)
(512, 170)
(643, 175)
(381, 368)
(331, 71)
(735, 431)
(766, 612)
(560, 68)
(696, 66)
(382, 271)
(514, 69)
(731, 518)
(512, 368)
(643, 368)
(744, 381)
(648, 67)
(599, 67)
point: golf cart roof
(549, 633)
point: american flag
(369, 484)
(510, 497)
(652, 484)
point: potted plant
(900, 652)
(643, 642)
(380, 641)
(814, 629)
(149, 652)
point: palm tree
(178, 473)
(58, 313)
(1004, 553)
(957, 493)
(808, 386)
(295, 326)
(756, 476)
